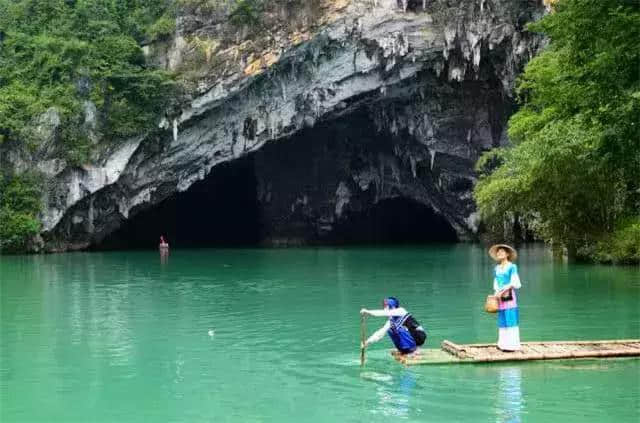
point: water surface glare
(262, 335)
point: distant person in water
(405, 332)
(505, 283)
(164, 245)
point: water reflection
(509, 402)
(393, 392)
(164, 255)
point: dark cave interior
(221, 210)
(224, 209)
(395, 221)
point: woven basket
(491, 304)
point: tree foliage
(574, 168)
(19, 208)
(59, 53)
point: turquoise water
(241, 335)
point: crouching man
(405, 331)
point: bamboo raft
(452, 353)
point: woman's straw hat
(512, 254)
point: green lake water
(272, 335)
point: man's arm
(378, 335)
(393, 312)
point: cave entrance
(220, 210)
(285, 194)
(395, 221)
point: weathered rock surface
(430, 89)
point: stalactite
(175, 130)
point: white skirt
(509, 338)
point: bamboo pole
(454, 349)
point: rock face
(373, 103)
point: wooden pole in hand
(363, 335)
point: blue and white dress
(508, 313)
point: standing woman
(505, 283)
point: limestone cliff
(383, 99)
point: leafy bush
(162, 28)
(623, 246)
(19, 208)
(77, 147)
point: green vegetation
(163, 28)
(19, 208)
(623, 246)
(574, 170)
(59, 53)
(246, 12)
(239, 12)
(204, 6)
